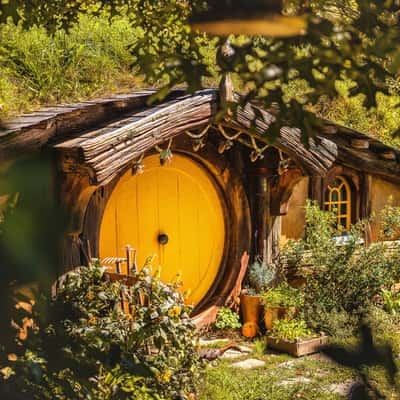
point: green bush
(389, 219)
(391, 301)
(227, 319)
(86, 347)
(290, 329)
(282, 296)
(343, 279)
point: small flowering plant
(87, 347)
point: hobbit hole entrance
(174, 211)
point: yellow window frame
(336, 205)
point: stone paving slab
(249, 364)
(229, 354)
(288, 364)
(293, 381)
(342, 389)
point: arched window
(338, 200)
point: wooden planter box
(298, 348)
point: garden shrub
(282, 296)
(261, 275)
(389, 219)
(86, 347)
(227, 319)
(344, 280)
(290, 329)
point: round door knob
(162, 238)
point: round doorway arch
(175, 212)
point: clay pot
(251, 308)
(273, 313)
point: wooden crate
(299, 348)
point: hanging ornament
(198, 139)
(198, 144)
(138, 166)
(224, 145)
(256, 155)
(283, 165)
(165, 154)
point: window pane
(335, 196)
(343, 209)
(343, 193)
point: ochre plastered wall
(381, 191)
(293, 222)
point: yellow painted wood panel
(179, 200)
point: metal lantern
(247, 17)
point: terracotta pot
(273, 313)
(251, 308)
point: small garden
(321, 322)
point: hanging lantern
(247, 17)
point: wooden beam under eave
(369, 162)
(31, 132)
(109, 150)
(317, 159)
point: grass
(93, 59)
(90, 60)
(285, 378)
(273, 381)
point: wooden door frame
(223, 170)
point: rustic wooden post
(365, 204)
(274, 236)
(262, 213)
(316, 189)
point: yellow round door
(174, 212)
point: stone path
(248, 360)
(249, 363)
(231, 353)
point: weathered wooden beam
(369, 162)
(30, 132)
(317, 158)
(107, 151)
(104, 152)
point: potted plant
(293, 336)
(280, 302)
(227, 322)
(260, 275)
